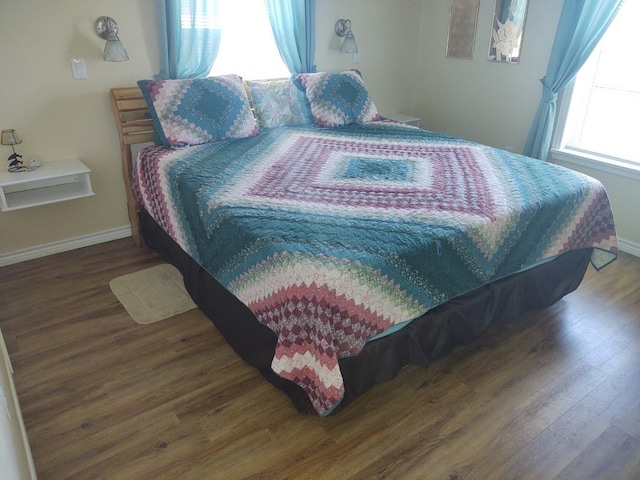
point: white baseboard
(123, 232)
(64, 245)
(629, 247)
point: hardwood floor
(553, 395)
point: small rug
(152, 294)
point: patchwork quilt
(333, 236)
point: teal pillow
(200, 110)
(337, 98)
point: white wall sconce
(343, 29)
(114, 51)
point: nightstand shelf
(402, 118)
(51, 182)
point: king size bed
(332, 247)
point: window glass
(604, 113)
(247, 45)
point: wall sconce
(107, 28)
(343, 29)
(10, 137)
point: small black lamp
(10, 137)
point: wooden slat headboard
(134, 124)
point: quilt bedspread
(334, 236)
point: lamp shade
(343, 29)
(349, 44)
(114, 51)
(10, 137)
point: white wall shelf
(51, 182)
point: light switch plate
(79, 69)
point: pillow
(337, 98)
(277, 103)
(199, 110)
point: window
(247, 45)
(602, 121)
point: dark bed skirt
(424, 340)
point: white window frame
(570, 154)
(604, 163)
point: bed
(332, 247)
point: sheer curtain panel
(582, 24)
(190, 36)
(294, 27)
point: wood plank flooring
(554, 395)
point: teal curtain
(582, 24)
(190, 37)
(294, 27)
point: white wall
(489, 102)
(387, 33)
(58, 117)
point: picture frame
(507, 31)
(463, 21)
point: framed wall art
(507, 31)
(463, 20)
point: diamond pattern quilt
(333, 236)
